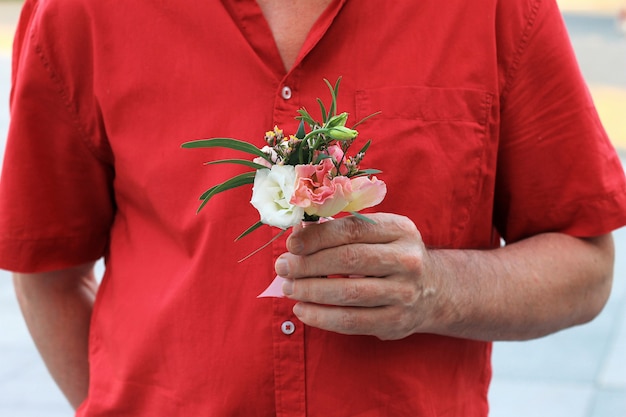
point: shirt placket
(287, 330)
(289, 370)
(288, 333)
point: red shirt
(486, 131)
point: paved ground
(579, 372)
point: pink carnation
(325, 196)
(317, 193)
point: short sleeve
(56, 203)
(557, 170)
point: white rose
(272, 191)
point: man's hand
(389, 294)
(397, 287)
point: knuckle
(407, 295)
(411, 263)
(349, 322)
(352, 229)
(349, 256)
(351, 292)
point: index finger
(350, 229)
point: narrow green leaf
(207, 192)
(206, 200)
(321, 157)
(305, 117)
(330, 87)
(323, 111)
(279, 234)
(250, 230)
(332, 111)
(211, 192)
(302, 156)
(237, 181)
(237, 161)
(367, 172)
(362, 217)
(366, 146)
(336, 90)
(335, 95)
(366, 118)
(316, 132)
(301, 152)
(229, 143)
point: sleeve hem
(582, 218)
(44, 255)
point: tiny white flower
(267, 150)
(271, 193)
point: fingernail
(288, 287)
(282, 267)
(297, 309)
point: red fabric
(486, 130)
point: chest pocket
(432, 145)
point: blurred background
(579, 372)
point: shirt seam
(521, 49)
(61, 90)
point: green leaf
(323, 110)
(241, 179)
(365, 147)
(332, 111)
(239, 162)
(367, 172)
(234, 182)
(229, 143)
(362, 217)
(300, 133)
(250, 229)
(305, 117)
(279, 234)
(316, 132)
(366, 118)
(336, 90)
(294, 157)
(321, 157)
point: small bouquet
(306, 177)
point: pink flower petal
(366, 193)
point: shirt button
(288, 327)
(286, 93)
